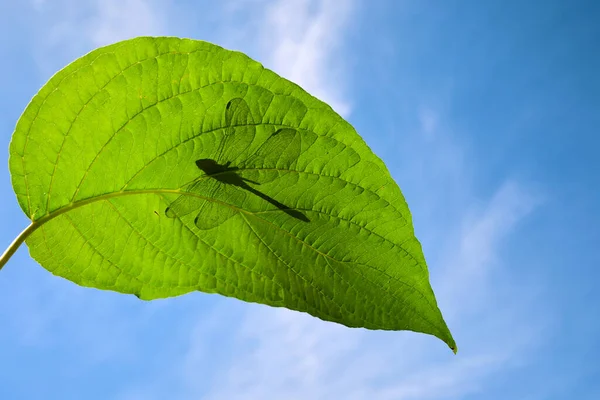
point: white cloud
(116, 20)
(283, 354)
(301, 40)
(71, 28)
(429, 122)
(38, 4)
(303, 37)
(475, 255)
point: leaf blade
(111, 141)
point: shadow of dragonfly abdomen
(229, 175)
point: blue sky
(487, 116)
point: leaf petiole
(12, 248)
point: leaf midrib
(203, 177)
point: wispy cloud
(71, 27)
(474, 257)
(302, 40)
(38, 4)
(116, 20)
(429, 122)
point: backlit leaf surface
(161, 166)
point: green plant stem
(12, 248)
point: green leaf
(161, 166)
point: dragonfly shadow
(282, 147)
(229, 175)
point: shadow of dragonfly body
(280, 150)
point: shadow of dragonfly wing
(238, 134)
(239, 131)
(185, 204)
(277, 156)
(274, 158)
(208, 213)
